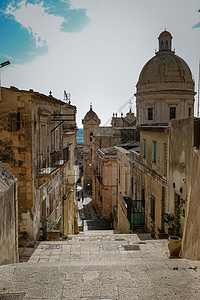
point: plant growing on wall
(47, 225)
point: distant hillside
(80, 136)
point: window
(165, 158)
(150, 113)
(135, 189)
(66, 154)
(152, 213)
(163, 209)
(91, 135)
(14, 119)
(190, 111)
(154, 151)
(18, 121)
(132, 185)
(143, 196)
(172, 114)
(197, 133)
(144, 148)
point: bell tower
(90, 123)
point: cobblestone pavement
(103, 265)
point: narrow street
(88, 215)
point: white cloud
(33, 17)
(101, 63)
(89, 5)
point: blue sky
(94, 49)
(19, 40)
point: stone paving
(102, 265)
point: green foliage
(160, 230)
(168, 219)
(47, 224)
(173, 221)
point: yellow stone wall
(33, 138)
(123, 223)
(151, 176)
(184, 176)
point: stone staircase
(96, 265)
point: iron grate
(110, 248)
(11, 296)
(53, 246)
(131, 247)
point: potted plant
(174, 224)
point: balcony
(69, 126)
(48, 163)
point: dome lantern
(165, 41)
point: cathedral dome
(91, 115)
(165, 71)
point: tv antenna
(67, 97)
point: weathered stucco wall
(184, 174)
(180, 159)
(123, 223)
(191, 241)
(37, 144)
(8, 217)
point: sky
(93, 49)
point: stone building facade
(37, 145)
(8, 217)
(104, 156)
(165, 92)
(104, 181)
(149, 165)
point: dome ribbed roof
(91, 115)
(165, 34)
(165, 69)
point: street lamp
(3, 64)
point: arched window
(161, 45)
(166, 45)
